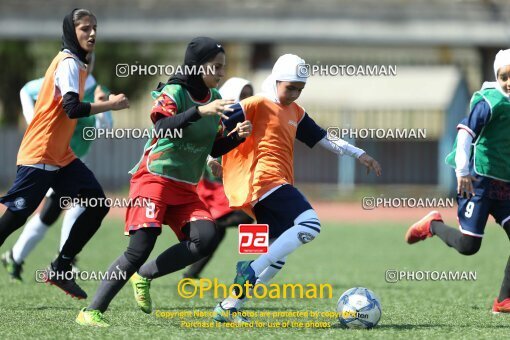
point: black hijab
(69, 39)
(199, 51)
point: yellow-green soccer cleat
(141, 288)
(221, 314)
(92, 318)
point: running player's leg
(143, 225)
(472, 216)
(141, 243)
(70, 218)
(292, 223)
(36, 227)
(232, 219)
(298, 224)
(77, 180)
(500, 209)
(265, 277)
(32, 234)
(196, 232)
(201, 240)
(28, 190)
(196, 268)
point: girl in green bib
(167, 175)
(481, 158)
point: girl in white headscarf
(483, 176)
(259, 177)
(237, 89)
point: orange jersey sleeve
(265, 159)
(48, 135)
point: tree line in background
(22, 61)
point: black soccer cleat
(65, 281)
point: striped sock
(270, 272)
(306, 228)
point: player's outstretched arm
(75, 109)
(311, 134)
(115, 102)
(217, 107)
(370, 163)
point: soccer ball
(358, 308)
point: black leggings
(51, 209)
(464, 244)
(201, 240)
(232, 219)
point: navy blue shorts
(492, 198)
(280, 209)
(31, 185)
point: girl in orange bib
(258, 176)
(45, 159)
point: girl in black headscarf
(167, 175)
(45, 159)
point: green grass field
(344, 256)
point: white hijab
(502, 59)
(285, 69)
(233, 87)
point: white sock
(33, 232)
(306, 228)
(70, 217)
(231, 302)
(270, 272)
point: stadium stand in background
(443, 50)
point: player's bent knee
(141, 243)
(310, 226)
(208, 244)
(99, 212)
(468, 251)
(50, 211)
(137, 257)
(470, 245)
(103, 212)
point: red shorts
(171, 202)
(159, 213)
(213, 195)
